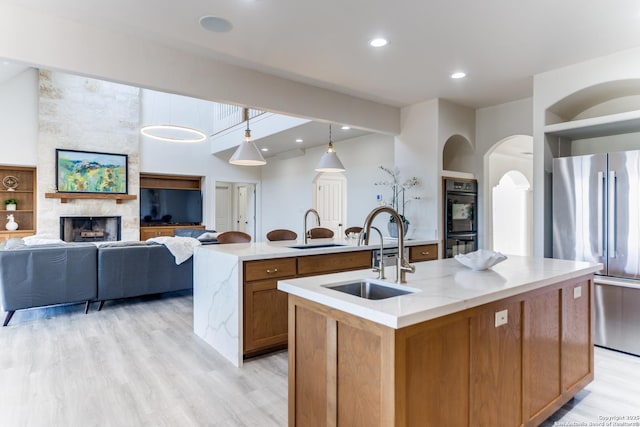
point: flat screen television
(169, 206)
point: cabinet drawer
(269, 269)
(423, 253)
(331, 263)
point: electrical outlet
(502, 317)
(577, 292)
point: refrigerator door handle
(600, 214)
(612, 214)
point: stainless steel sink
(320, 245)
(369, 290)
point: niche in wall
(457, 155)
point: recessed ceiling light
(458, 75)
(299, 140)
(264, 149)
(378, 42)
(215, 24)
(345, 127)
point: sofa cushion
(132, 271)
(35, 276)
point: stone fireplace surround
(90, 228)
(81, 113)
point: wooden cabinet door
(541, 352)
(265, 316)
(577, 360)
(496, 366)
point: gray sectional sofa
(131, 270)
(42, 275)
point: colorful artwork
(88, 172)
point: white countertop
(281, 249)
(442, 287)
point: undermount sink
(320, 245)
(369, 290)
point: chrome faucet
(380, 268)
(305, 222)
(402, 264)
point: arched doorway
(509, 168)
(512, 214)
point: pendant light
(329, 162)
(247, 154)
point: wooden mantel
(65, 197)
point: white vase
(11, 225)
(11, 207)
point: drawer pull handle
(424, 253)
(273, 270)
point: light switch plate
(502, 317)
(577, 292)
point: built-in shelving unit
(176, 182)
(25, 194)
(65, 197)
(611, 124)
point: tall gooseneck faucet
(305, 222)
(402, 264)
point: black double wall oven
(460, 216)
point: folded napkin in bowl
(480, 259)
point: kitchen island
(503, 347)
(237, 308)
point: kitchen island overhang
(508, 346)
(443, 287)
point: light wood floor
(137, 363)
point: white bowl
(480, 259)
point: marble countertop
(441, 287)
(282, 249)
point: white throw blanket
(180, 247)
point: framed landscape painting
(90, 172)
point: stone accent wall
(80, 113)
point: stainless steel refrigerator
(596, 217)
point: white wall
(417, 153)
(494, 125)
(287, 185)
(19, 118)
(549, 88)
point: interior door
(223, 208)
(330, 201)
(242, 208)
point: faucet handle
(403, 264)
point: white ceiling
(501, 44)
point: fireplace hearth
(90, 228)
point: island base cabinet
(507, 363)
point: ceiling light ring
(148, 132)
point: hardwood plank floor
(138, 363)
